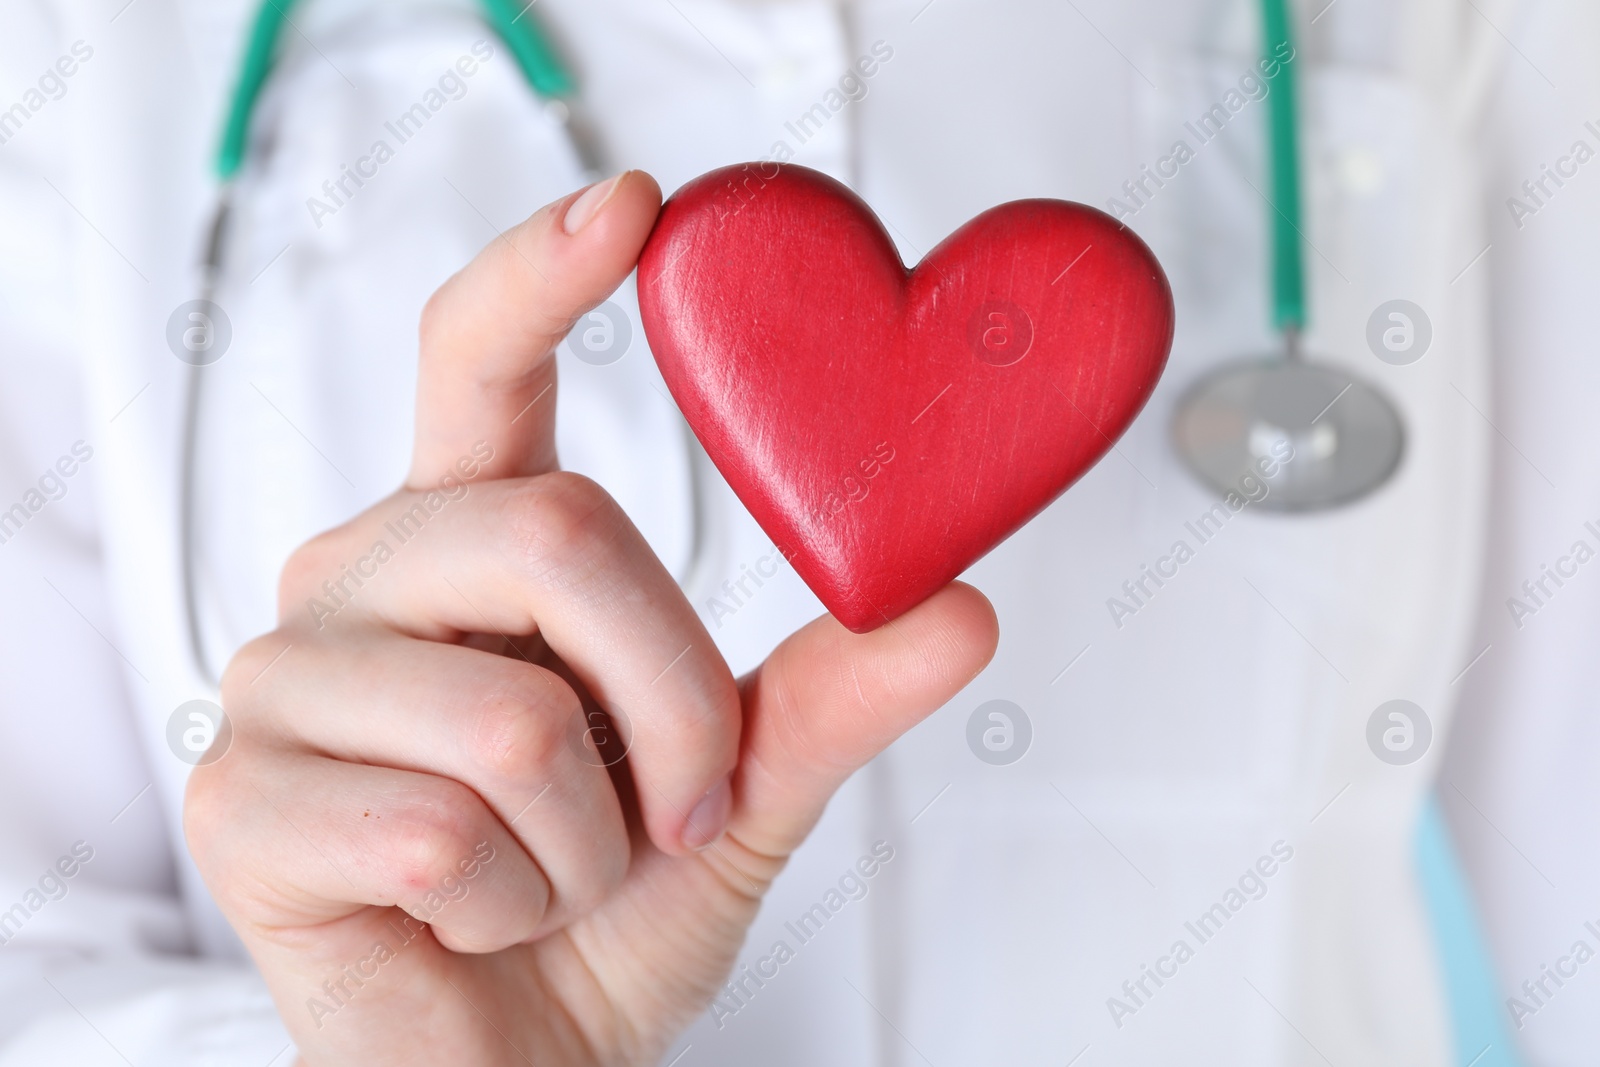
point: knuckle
(238, 677)
(428, 837)
(433, 325)
(328, 557)
(307, 567)
(207, 802)
(559, 525)
(217, 812)
(519, 728)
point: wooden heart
(885, 426)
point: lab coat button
(1361, 170)
(779, 75)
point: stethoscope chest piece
(1316, 436)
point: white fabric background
(1173, 753)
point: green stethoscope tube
(529, 46)
(1283, 135)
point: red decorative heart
(885, 426)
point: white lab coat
(1170, 753)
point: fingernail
(709, 817)
(589, 204)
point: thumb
(827, 700)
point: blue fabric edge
(1472, 987)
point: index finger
(486, 369)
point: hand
(403, 834)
